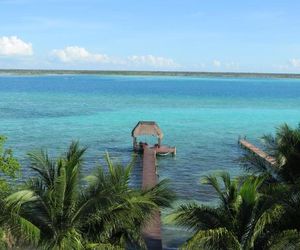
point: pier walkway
(152, 231)
(258, 152)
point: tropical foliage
(9, 171)
(9, 166)
(60, 209)
(244, 218)
(285, 147)
(233, 223)
(260, 211)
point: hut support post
(134, 143)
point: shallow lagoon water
(202, 117)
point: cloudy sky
(195, 35)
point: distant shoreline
(146, 73)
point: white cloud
(13, 46)
(77, 54)
(295, 63)
(291, 66)
(216, 63)
(150, 60)
(225, 65)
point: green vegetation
(59, 208)
(235, 223)
(285, 147)
(257, 211)
(9, 166)
(9, 170)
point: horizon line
(150, 72)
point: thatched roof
(147, 128)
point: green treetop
(9, 165)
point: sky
(176, 35)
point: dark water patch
(209, 87)
(33, 113)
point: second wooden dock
(258, 152)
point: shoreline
(29, 72)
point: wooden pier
(164, 150)
(258, 152)
(152, 231)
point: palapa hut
(146, 128)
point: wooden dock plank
(165, 149)
(152, 230)
(149, 168)
(263, 155)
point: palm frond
(161, 194)
(195, 217)
(270, 143)
(249, 189)
(102, 246)
(213, 239)
(227, 190)
(75, 152)
(286, 240)
(21, 226)
(268, 218)
(43, 165)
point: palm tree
(239, 221)
(285, 147)
(99, 211)
(287, 200)
(10, 221)
(15, 229)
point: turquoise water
(202, 117)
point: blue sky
(195, 35)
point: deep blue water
(202, 117)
